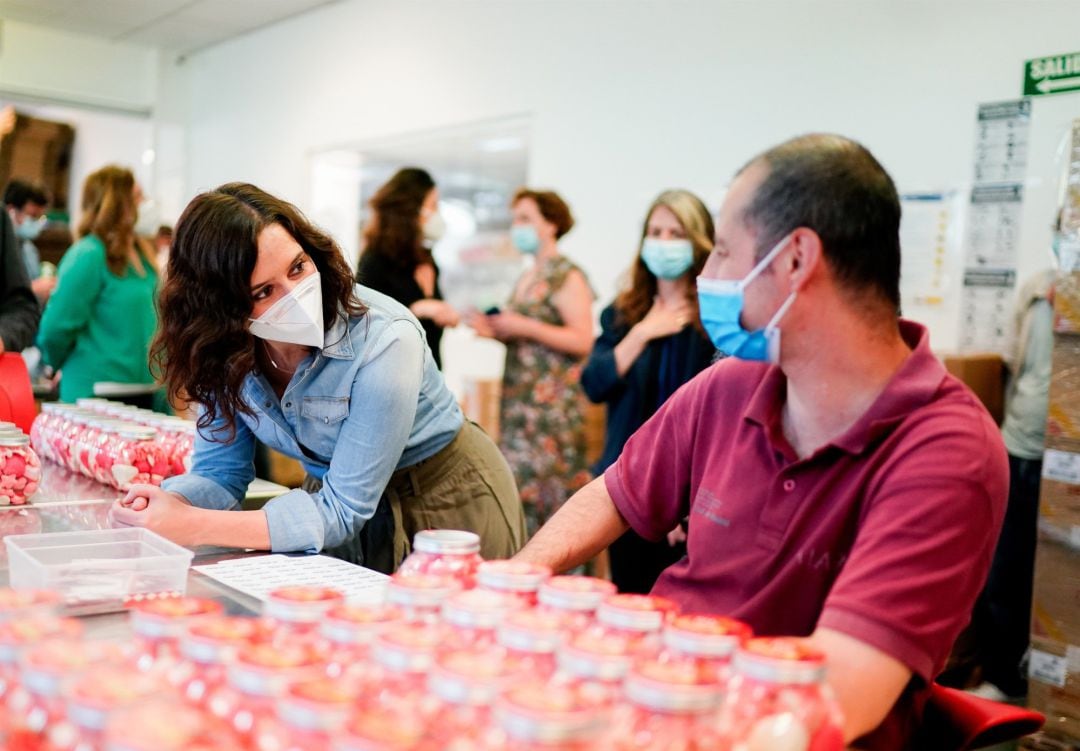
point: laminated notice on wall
(1048, 668)
(993, 225)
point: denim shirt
(371, 401)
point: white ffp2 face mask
(296, 318)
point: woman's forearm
(231, 529)
(570, 341)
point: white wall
(627, 96)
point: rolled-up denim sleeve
(382, 408)
(221, 469)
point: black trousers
(1002, 617)
(636, 563)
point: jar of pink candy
(641, 617)
(419, 597)
(403, 656)
(575, 598)
(709, 641)
(778, 699)
(350, 630)
(474, 614)
(299, 609)
(671, 707)
(42, 428)
(138, 458)
(159, 624)
(85, 448)
(540, 717)
(445, 552)
(517, 578)
(208, 647)
(74, 430)
(533, 637)
(309, 715)
(177, 442)
(597, 660)
(162, 725)
(59, 437)
(93, 697)
(20, 470)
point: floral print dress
(542, 407)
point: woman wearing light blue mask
(548, 329)
(651, 344)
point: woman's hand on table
(157, 510)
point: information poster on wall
(993, 225)
(925, 221)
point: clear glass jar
(597, 660)
(709, 641)
(208, 647)
(138, 459)
(419, 597)
(18, 635)
(94, 404)
(533, 637)
(309, 716)
(74, 429)
(371, 729)
(177, 441)
(42, 428)
(540, 717)
(298, 610)
(641, 617)
(474, 614)
(778, 699)
(85, 446)
(403, 657)
(350, 630)
(28, 603)
(258, 677)
(92, 697)
(105, 449)
(517, 578)
(20, 470)
(448, 553)
(576, 598)
(159, 624)
(163, 725)
(38, 705)
(671, 707)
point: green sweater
(98, 326)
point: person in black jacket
(19, 309)
(651, 344)
(397, 259)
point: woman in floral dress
(548, 331)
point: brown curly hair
(109, 212)
(203, 349)
(394, 229)
(633, 303)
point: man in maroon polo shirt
(839, 483)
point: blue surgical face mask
(29, 229)
(667, 259)
(525, 239)
(720, 302)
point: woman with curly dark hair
(397, 260)
(263, 329)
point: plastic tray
(98, 571)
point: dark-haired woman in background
(262, 327)
(100, 318)
(651, 344)
(548, 331)
(397, 259)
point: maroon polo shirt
(885, 533)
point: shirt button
(288, 404)
(268, 405)
(789, 485)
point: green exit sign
(1052, 75)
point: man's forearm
(585, 525)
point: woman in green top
(100, 319)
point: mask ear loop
(764, 262)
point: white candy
(778, 732)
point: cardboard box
(1067, 303)
(1055, 608)
(1054, 687)
(983, 373)
(1059, 496)
(1063, 420)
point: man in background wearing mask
(839, 483)
(26, 204)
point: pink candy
(20, 471)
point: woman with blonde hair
(651, 344)
(100, 318)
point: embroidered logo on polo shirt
(708, 505)
(820, 560)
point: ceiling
(180, 26)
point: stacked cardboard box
(1054, 669)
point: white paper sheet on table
(257, 576)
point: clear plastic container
(419, 597)
(99, 570)
(450, 553)
(517, 578)
(474, 614)
(709, 641)
(159, 624)
(138, 459)
(576, 598)
(778, 699)
(300, 609)
(350, 630)
(20, 470)
(672, 707)
(163, 725)
(539, 717)
(533, 637)
(641, 617)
